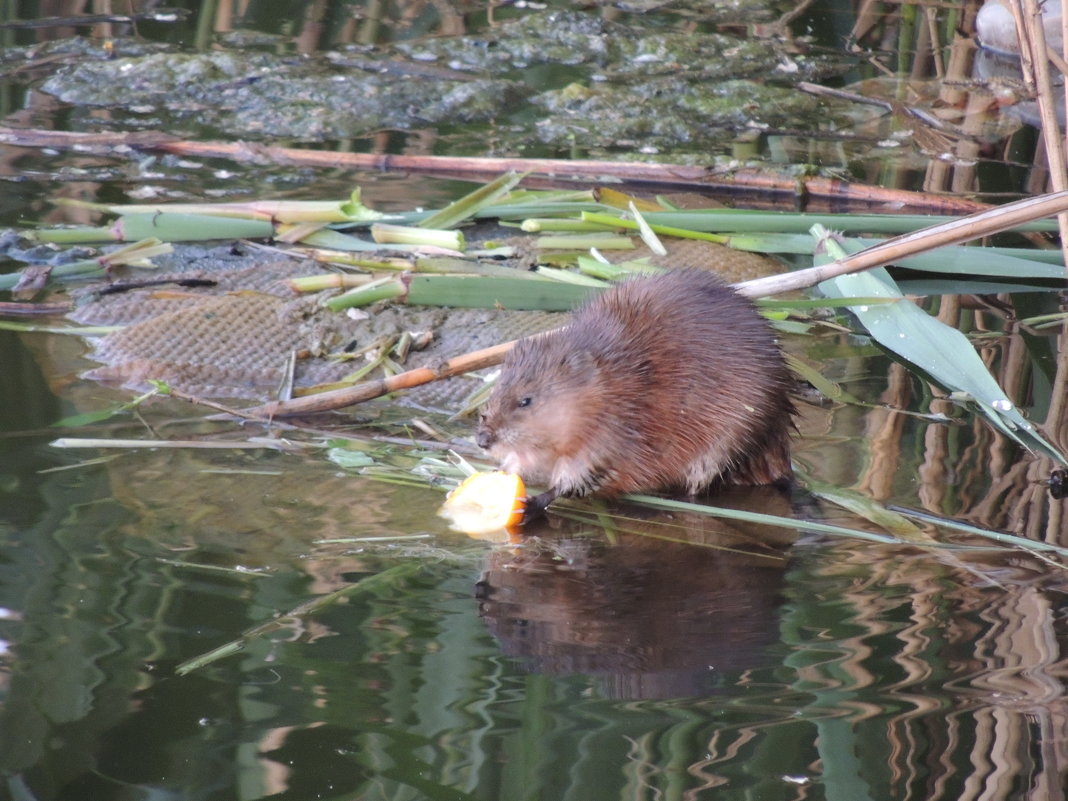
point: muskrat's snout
(484, 438)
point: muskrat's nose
(484, 438)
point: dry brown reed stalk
(366, 390)
(1035, 60)
(1033, 506)
(757, 184)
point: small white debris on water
(862, 308)
(147, 192)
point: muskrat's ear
(578, 361)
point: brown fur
(668, 382)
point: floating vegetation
(441, 265)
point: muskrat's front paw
(536, 505)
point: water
(377, 655)
(577, 671)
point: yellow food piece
(486, 504)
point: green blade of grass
(137, 254)
(545, 208)
(277, 211)
(544, 196)
(389, 234)
(814, 303)
(539, 225)
(469, 205)
(771, 520)
(88, 418)
(740, 220)
(73, 330)
(373, 292)
(999, 537)
(189, 227)
(475, 291)
(469, 291)
(648, 235)
(616, 270)
(854, 533)
(335, 240)
(957, 286)
(612, 220)
(583, 242)
(377, 585)
(570, 277)
(942, 352)
(516, 206)
(953, 259)
(868, 508)
(164, 226)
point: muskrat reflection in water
(668, 605)
(667, 382)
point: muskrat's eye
(524, 402)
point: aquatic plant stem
(373, 584)
(955, 232)
(787, 189)
(366, 390)
(137, 253)
(1035, 66)
(1033, 44)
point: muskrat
(669, 382)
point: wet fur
(669, 382)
